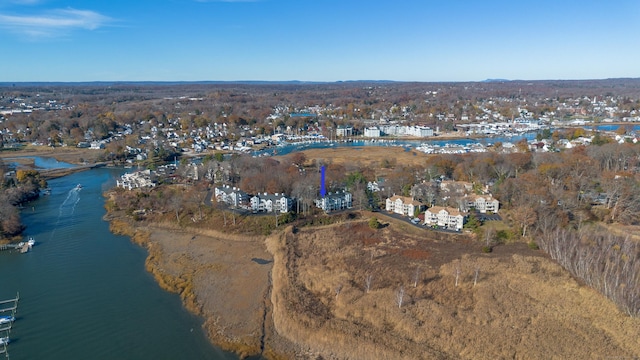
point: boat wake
(67, 209)
(68, 206)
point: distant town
(133, 124)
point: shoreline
(224, 279)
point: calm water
(289, 148)
(85, 293)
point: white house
(344, 130)
(138, 179)
(270, 203)
(446, 217)
(483, 203)
(232, 196)
(403, 205)
(372, 132)
(337, 201)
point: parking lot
(487, 217)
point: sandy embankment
(224, 278)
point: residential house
(343, 131)
(456, 187)
(483, 203)
(231, 196)
(403, 205)
(372, 132)
(445, 217)
(138, 179)
(336, 201)
(270, 203)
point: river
(84, 292)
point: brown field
(523, 306)
(300, 294)
(70, 155)
(370, 156)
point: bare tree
(400, 296)
(475, 277)
(367, 283)
(416, 276)
(176, 205)
(488, 234)
(338, 289)
(457, 273)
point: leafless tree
(400, 296)
(337, 290)
(457, 273)
(488, 236)
(175, 204)
(416, 277)
(367, 282)
(475, 277)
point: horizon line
(489, 80)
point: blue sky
(317, 40)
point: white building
(483, 203)
(372, 132)
(337, 201)
(445, 217)
(138, 179)
(344, 131)
(270, 203)
(403, 205)
(232, 196)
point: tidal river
(84, 292)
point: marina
(9, 306)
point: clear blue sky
(318, 40)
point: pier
(7, 306)
(23, 247)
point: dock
(23, 247)
(9, 305)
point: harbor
(8, 310)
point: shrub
(487, 249)
(533, 245)
(374, 223)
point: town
(353, 203)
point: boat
(79, 186)
(31, 241)
(4, 340)
(7, 319)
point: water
(85, 293)
(289, 148)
